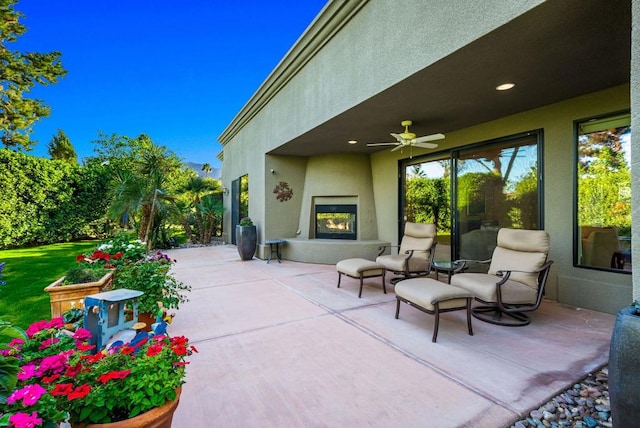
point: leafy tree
(19, 73)
(203, 210)
(60, 148)
(604, 180)
(143, 185)
(427, 201)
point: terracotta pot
(160, 417)
(65, 297)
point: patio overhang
(556, 51)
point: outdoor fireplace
(336, 222)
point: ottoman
(433, 297)
(361, 268)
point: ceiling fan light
(505, 86)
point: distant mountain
(197, 167)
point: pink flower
(24, 420)
(16, 343)
(29, 395)
(54, 363)
(27, 371)
(82, 334)
(46, 343)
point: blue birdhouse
(107, 313)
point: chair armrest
(464, 263)
(506, 273)
(383, 248)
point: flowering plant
(59, 377)
(152, 275)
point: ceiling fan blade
(399, 138)
(382, 144)
(425, 145)
(426, 138)
(397, 147)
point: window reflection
(604, 193)
(497, 186)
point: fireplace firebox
(336, 222)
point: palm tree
(207, 169)
(141, 191)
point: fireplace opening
(336, 221)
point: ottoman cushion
(355, 267)
(426, 292)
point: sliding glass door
(496, 186)
(472, 192)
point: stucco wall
(323, 89)
(581, 287)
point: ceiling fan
(409, 139)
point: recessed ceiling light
(505, 86)
(352, 142)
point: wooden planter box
(65, 297)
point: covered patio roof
(556, 51)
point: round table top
(274, 241)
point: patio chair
(515, 281)
(415, 252)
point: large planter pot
(246, 240)
(160, 417)
(624, 366)
(65, 297)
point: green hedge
(44, 201)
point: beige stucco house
(362, 66)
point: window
(496, 185)
(427, 196)
(603, 193)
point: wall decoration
(283, 191)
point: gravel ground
(585, 405)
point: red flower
(82, 347)
(93, 358)
(80, 258)
(154, 350)
(193, 348)
(79, 392)
(181, 363)
(118, 256)
(49, 379)
(113, 375)
(127, 350)
(179, 349)
(73, 371)
(82, 334)
(62, 389)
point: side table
(274, 248)
(449, 268)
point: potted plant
(59, 377)
(152, 275)
(93, 272)
(624, 366)
(246, 238)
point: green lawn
(27, 272)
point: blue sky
(177, 71)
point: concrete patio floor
(281, 346)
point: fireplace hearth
(336, 221)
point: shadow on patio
(280, 345)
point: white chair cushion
(483, 286)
